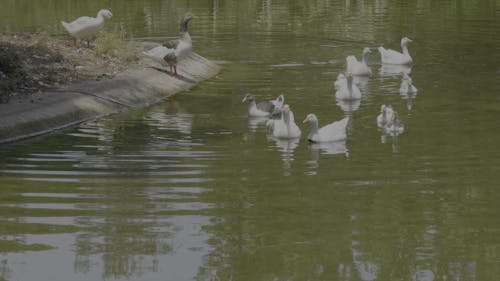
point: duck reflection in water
(287, 148)
(286, 134)
(407, 90)
(324, 148)
(348, 106)
(394, 69)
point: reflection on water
(394, 69)
(286, 147)
(348, 106)
(255, 122)
(325, 148)
(127, 196)
(409, 97)
(192, 189)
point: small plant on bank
(111, 44)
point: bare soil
(33, 63)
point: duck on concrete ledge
(171, 52)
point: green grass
(108, 43)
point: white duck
(349, 90)
(86, 27)
(175, 50)
(285, 127)
(386, 115)
(261, 109)
(407, 87)
(388, 56)
(340, 82)
(360, 68)
(335, 131)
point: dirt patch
(32, 63)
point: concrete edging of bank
(132, 89)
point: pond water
(194, 189)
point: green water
(193, 189)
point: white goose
(360, 68)
(175, 50)
(388, 56)
(285, 127)
(348, 90)
(86, 27)
(407, 87)
(261, 109)
(386, 115)
(340, 82)
(335, 131)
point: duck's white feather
(340, 82)
(388, 56)
(158, 54)
(348, 90)
(86, 27)
(361, 67)
(285, 127)
(334, 131)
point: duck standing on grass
(86, 27)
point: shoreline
(143, 83)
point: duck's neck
(349, 86)
(184, 26)
(314, 128)
(100, 20)
(252, 104)
(100, 17)
(185, 36)
(364, 58)
(405, 49)
(286, 118)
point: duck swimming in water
(388, 56)
(334, 131)
(360, 68)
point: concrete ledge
(143, 85)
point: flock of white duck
(281, 124)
